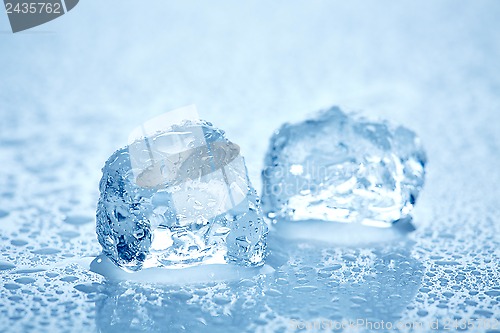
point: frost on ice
(340, 167)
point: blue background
(73, 89)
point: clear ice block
(178, 198)
(344, 168)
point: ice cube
(179, 198)
(341, 167)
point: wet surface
(53, 145)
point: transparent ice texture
(340, 167)
(64, 108)
(200, 208)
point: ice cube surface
(342, 167)
(180, 198)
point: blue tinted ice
(344, 168)
(163, 205)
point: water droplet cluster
(448, 268)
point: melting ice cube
(339, 167)
(178, 198)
